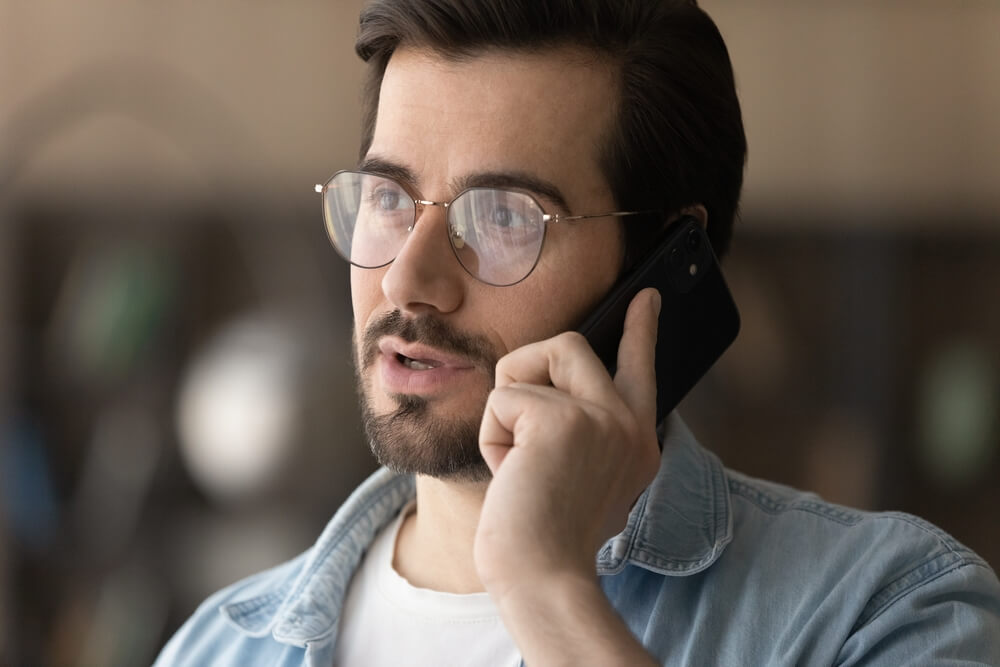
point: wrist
(566, 619)
(557, 593)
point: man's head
(544, 98)
(676, 138)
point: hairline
(576, 51)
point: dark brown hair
(678, 138)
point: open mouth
(417, 368)
(417, 364)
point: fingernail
(657, 302)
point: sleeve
(949, 618)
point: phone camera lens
(694, 240)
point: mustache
(432, 331)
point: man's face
(427, 333)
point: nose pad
(456, 232)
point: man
(513, 457)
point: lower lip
(397, 378)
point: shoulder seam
(955, 558)
(916, 578)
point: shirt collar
(304, 606)
(682, 523)
(679, 526)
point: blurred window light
(958, 412)
(237, 410)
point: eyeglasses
(496, 234)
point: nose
(425, 274)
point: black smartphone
(698, 318)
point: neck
(434, 547)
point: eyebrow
(389, 169)
(518, 180)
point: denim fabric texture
(713, 568)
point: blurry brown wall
(849, 105)
(284, 73)
(868, 107)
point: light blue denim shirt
(713, 568)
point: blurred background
(176, 399)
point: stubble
(413, 438)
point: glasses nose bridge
(420, 204)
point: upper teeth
(416, 364)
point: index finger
(635, 378)
(566, 361)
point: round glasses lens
(497, 234)
(367, 217)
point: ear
(698, 212)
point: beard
(410, 438)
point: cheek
(558, 300)
(366, 294)
(577, 279)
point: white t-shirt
(386, 621)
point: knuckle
(606, 421)
(506, 367)
(498, 394)
(572, 339)
(502, 364)
(574, 416)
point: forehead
(545, 112)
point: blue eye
(387, 198)
(507, 218)
(502, 210)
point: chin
(414, 435)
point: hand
(570, 450)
